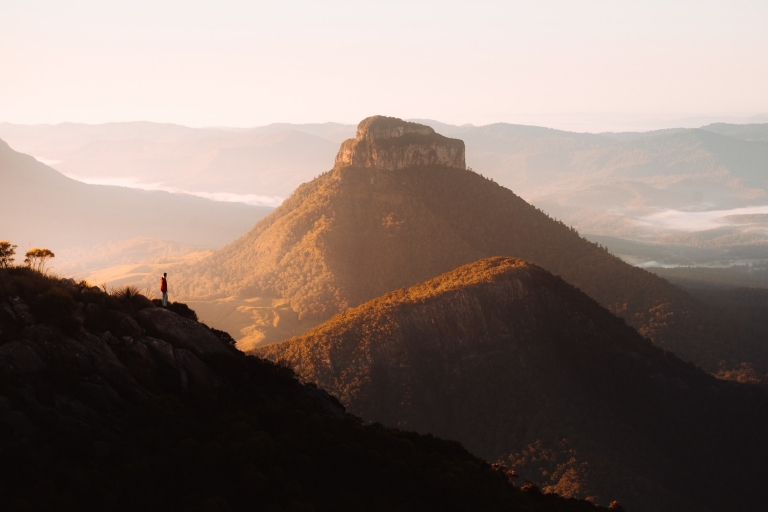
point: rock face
(181, 332)
(518, 365)
(389, 143)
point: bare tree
(7, 251)
(36, 259)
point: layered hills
(373, 224)
(260, 165)
(521, 366)
(41, 207)
(110, 403)
(610, 184)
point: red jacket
(163, 285)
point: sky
(594, 64)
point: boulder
(128, 327)
(95, 392)
(150, 361)
(180, 332)
(24, 313)
(161, 351)
(195, 375)
(6, 313)
(18, 358)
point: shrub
(56, 306)
(36, 258)
(131, 299)
(7, 251)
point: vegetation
(36, 258)
(520, 366)
(357, 233)
(7, 252)
(75, 435)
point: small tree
(36, 259)
(7, 251)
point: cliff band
(388, 143)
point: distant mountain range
(41, 207)
(362, 230)
(611, 184)
(261, 165)
(522, 367)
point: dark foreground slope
(518, 365)
(108, 403)
(406, 211)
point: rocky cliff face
(389, 143)
(516, 364)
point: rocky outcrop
(389, 143)
(181, 332)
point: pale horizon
(607, 67)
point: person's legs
(165, 299)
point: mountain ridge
(355, 233)
(521, 366)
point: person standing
(164, 288)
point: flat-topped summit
(390, 143)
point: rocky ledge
(76, 363)
(389, 143)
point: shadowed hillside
(520, 366)
(357, 232)
(110, 403)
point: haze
(586, 66)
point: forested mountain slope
(358, 232)
(519, 365)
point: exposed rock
(77, 410)
(98, 394)
(150, 361)
(100, 319)
(5, 405)
(24, 313)
(161, 350)
(128, 327)
(195, 375)
(18, 358)
(87, 354)
(20, 423)
(389, 143)
(7, 313)
(180, 332)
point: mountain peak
(389, 143)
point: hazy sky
(205, 63)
